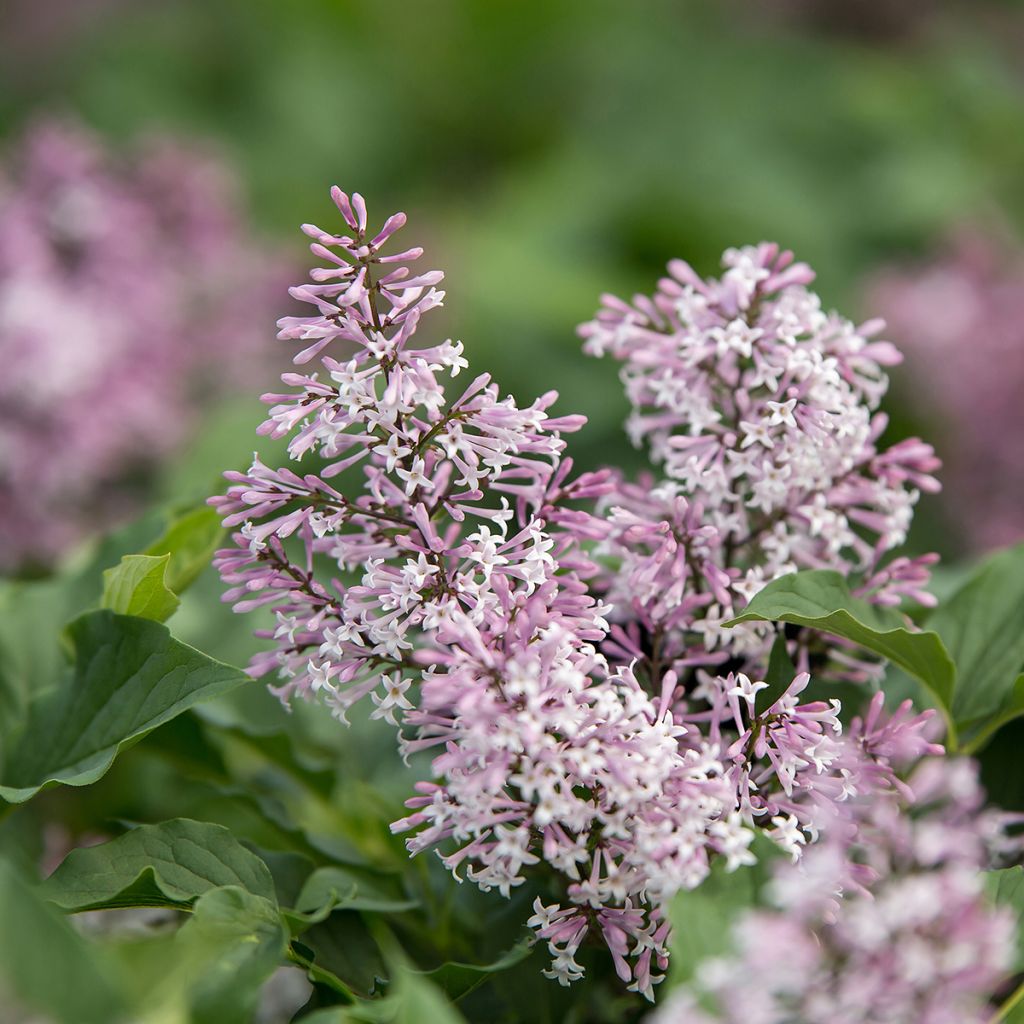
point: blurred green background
(549, 150)
(546, 151)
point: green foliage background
(549, 150)
(546, 151)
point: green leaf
(780, 675)
(821, 599)
(459, 979)
(190, 540)
(414, 999)
(45, 964)
(137, 586)
(130, 676)
(1005, 888)
(170, 864)
(341, 953)
(147, 584)
(982, 626)
(229, 947)
(974, 734)
(347, 888)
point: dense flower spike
(761, 410)
(120, 293)
(960, 317)
(893, 929)
(454, 590)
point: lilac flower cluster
(456, 590)
(120, 292)
(889, 927)
(761, 409)
(960, 317)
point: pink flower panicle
(892, 926)
(461, 602)
(121, 300)
(761, 410)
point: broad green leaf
(420, 1000)
(129, 677)
(211, 970)
(414, 1000)
(46, 965)
(982, 626)
(821, 599)
(137, 586)
(341, 954)
(975, 733)
(458, 979)
(1005, 888)
(170, 864)
(229, 947)
(190, 540)
(349, 888)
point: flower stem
(1004, 1011)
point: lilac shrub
(121, 303)
(555, 640)
(884, 922)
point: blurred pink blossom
(131, 294)
(893, 927)
(960, 322)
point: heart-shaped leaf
(170, 864)
(137, 586)
(130, 676)
(821, 599)
(229, 947)
(982, 625)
